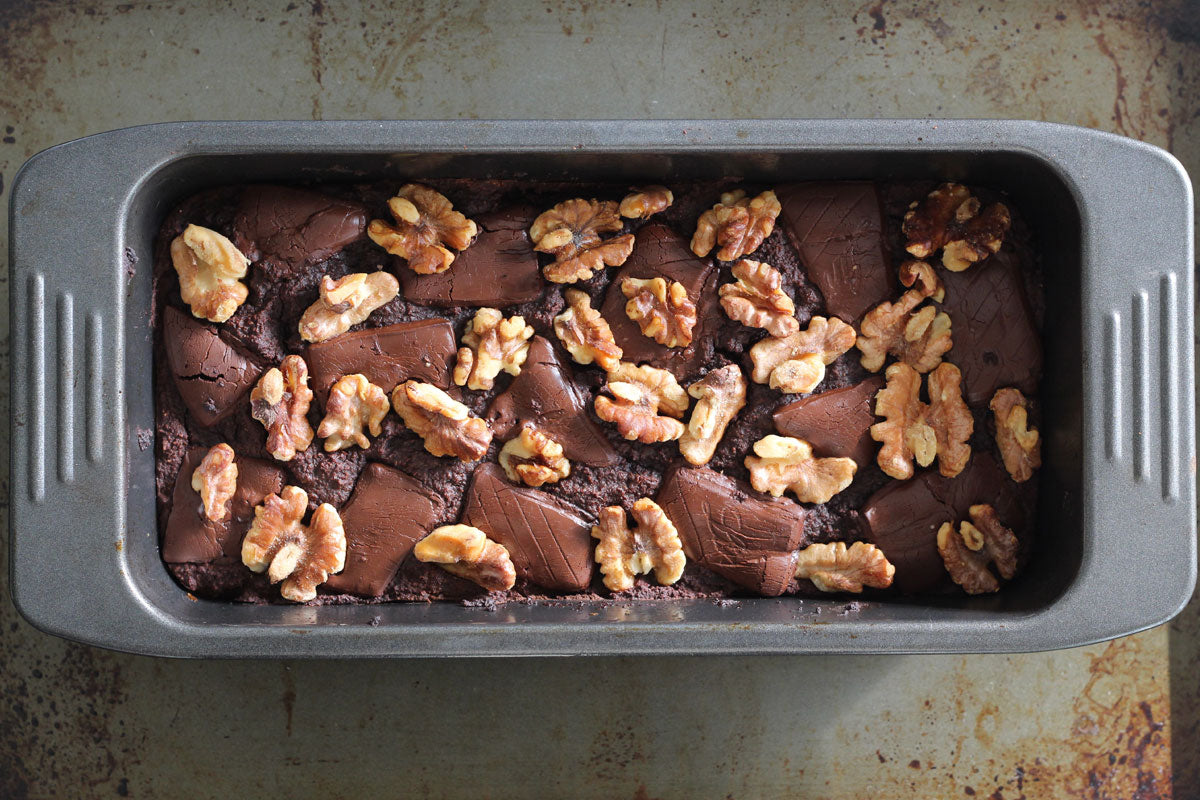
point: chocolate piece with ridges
(498, 269)
(388, 513)
(544, 396)
(659, 252)
(211, 374)
(836, 423)
(295, 227)
(838, 230)
(725, 528)
(550, 542)
(192, 538)
(421, 351)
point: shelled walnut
(639, 393)
(533, 458)
(571, 233)
(1020, 445)
(950, 419)
(738, 224)
(354, 403)
(663, 311)
(280, 544)
(491, 344)
(215, 480)
(951, 219)
(796, 363)
(425, 228)
(209, 267)
(280, 402)
(623, 554)
(646, 202)
(918, 337)
(782, 463)
(721, 394)
(757, 300)
(913, 430)
(832, 567)
(446, 425)
(982, 541)
(585, 333)
(468, 553)
(346, 302)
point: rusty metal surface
(1120, 719)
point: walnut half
(950, 219)
(280, 402)
(663, 311)
(491, 344)
(913, 430)
(585, 333)
(982, 541)
(209, 268)
(280, 544)
(782, 463)
(215, 480)
(1020, 445)
(425, 227)
(468, 553)
(446, 425)
(833, 567)
(796, 363)
(346, 302)
(623, 554)
(638, 394)
(571, 233)
(533, 458)
(354, 403)
(721, 394)
(918, 337)
(757, 300)
(738, 224)
(646, 202)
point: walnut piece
(737, 223)
(571, 232)
(1020, 445)
(663, 311)
(646, 202)
(950, 218)
(796, 364)
(492, 343)
(426, 227)
(209, 267)
(354, 403)
(833, 567)
(585, 333)
(533, 458)
(950, 419)
(280, 402)
(346, 302)
(624, 554)
(445, 424)
(982, 541)
(782, 463)
(639, 393)
(919, 338)
(913, 430)
(757, 300)
(302, 556)
(215, 480)
(721, 395)
(468, 553)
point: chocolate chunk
(294, 227)
(544, 395)
(838, 230)
(422, 351)
(388, 513)
(836, 423)
(996, 342)
(211, 374)
(724, 527)
(192, 538)
(498, 269)
(549, 541)
(658, 252)
(903, 518)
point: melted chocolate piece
(996, 342)
(659, 252)
(192, 538)
(295, 227)
(422, 351)
(724, 527)
(211, 374)
(836, 423)
(838, 230)
(388, 513)
(544, 395)
(498, 269)
(550, 542)
(903, 518)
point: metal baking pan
(1116, 548)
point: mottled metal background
(1115, 720)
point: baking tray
(1116, 546)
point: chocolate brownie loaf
(507, 391)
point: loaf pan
(1116, 524)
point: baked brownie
(507, 391)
